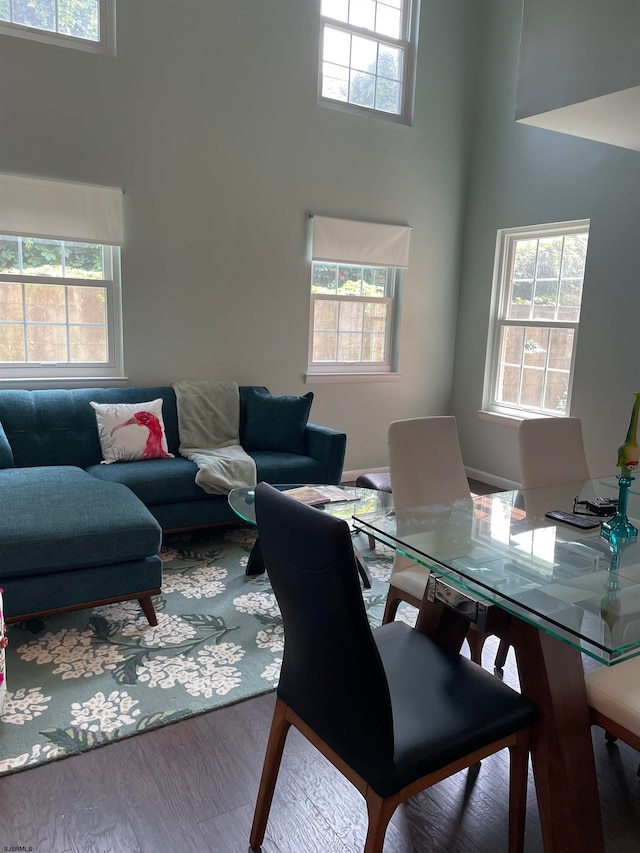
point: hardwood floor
(191, 787)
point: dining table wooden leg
(551, 674)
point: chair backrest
(551, 452)
(332, 675)
(425, 461)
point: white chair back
(551, 452)
(425, 462)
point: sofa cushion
(288, 468)
(58, 426)
(129, 432)
(276, 423)
(155, 481)
(57, 518)
(6, 454)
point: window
(55, 300)
(537, 298)
(83, 24)
(367, 55)
(356, 286)
(60, 303)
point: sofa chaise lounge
(75, 533)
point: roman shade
(345, 240)
(61, 211)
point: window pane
(373, 347)
(555, 394)
(45, 303)
(338, 9)
(375, 281)
(535, 347)
(388, 21)
(10, 302)
(524, 261)
(362, 13)
(324, 277)
(545, 300)
(335, 82)
(390, 62)
(87, 304)
(83, 260)
(325, 314)
(364, 54)
(362, 90)
(9, 255)
(549, 255)
(388, 96)
(561, 348)
(325, 346)
(570, 300)
(47, 343)
(87, 343)
(80, 18)
(351, 315)
(532, 383)
(508, 390)
(512, 345)
(41, 15)
(575, 255)
(337, 46)
(41, 257)
(519, 307)
(349, 346)
(12, 343)
(350, 280)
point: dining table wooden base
(551, 674)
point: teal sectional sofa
(75, 533)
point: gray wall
(208, 119)
(574, 50)
(525, 176)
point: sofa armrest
(329, 446)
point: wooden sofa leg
(148, 609)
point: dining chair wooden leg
(379, 812)
(476, 640)
(372, 543)
(501, 655)
(518, 777)
(394, 599)
(275, 746)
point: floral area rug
(83, 679)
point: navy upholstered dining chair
(391, 709)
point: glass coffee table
(360, 501)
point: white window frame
(392, 299)
(109, 369)
(407, 43)
(107, 24)
(504, 255)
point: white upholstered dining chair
(614, 701)
(551, 453)
(426, 467)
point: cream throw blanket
(209, 427)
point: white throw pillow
(131, 431)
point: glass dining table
(553, 592)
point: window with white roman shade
(356, 287)
(60, 299)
